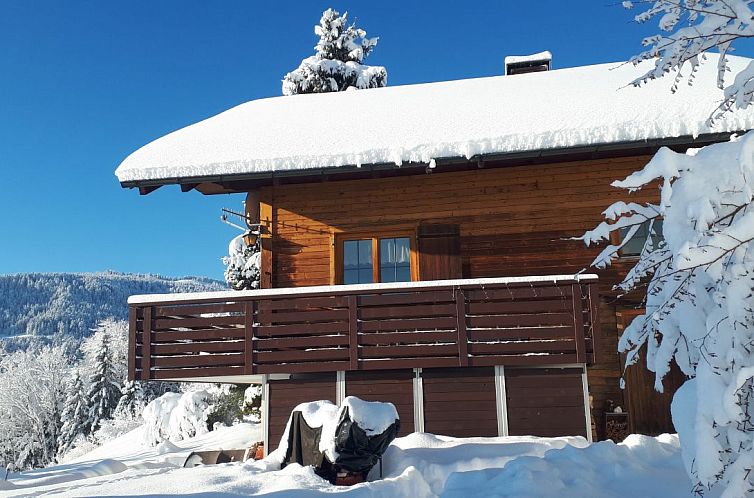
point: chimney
(534, 63)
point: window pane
(387, 251)
(402, 250)
(351, 276)
(351, 254)
(387, 274)
(365, 253)
(636, 244)
(357, 261)
(366, 276)
(395, 256)
(403, 274)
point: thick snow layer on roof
(539, 56)
(580, 106)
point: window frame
(375, 236)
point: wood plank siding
(648, 410)
(286, 394)
(460, 402)
(545, 402)
(511, 221)
(394, 386)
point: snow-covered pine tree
(75, 413)
(131, 400)
(104, 386)
(242, 264)
(337, 62)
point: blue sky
(84, 83)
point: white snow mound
(419, 465)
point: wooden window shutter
(439, 252)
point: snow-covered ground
(419, 465)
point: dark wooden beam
(187, 187)
(148, 190)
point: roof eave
(189, 183)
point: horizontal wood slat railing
(539, 321)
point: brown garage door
(286, 394)
(545, 402)
(395, 386)
(460, 402)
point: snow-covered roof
(518, 59)
(581, 106)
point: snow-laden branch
(688, 29)
(699, 297)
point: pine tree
(132, 399)
(104, 390)
(337, 63)
(75, 413)
(242, 264)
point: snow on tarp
(374, 417)
(580, 106)
(322, 414)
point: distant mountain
(54, 307)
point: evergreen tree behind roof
(337, 63)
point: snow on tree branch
(688, 29)
(337, 63)
(699, 308)
(242, 264)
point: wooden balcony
(449, 323)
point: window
(636, 244)
(358, 263)
(366, 260)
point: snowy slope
(579, 106)
(419, 465)
(71, 304)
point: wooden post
(266, 218)
(578, 323)
(248, 343)
(463, 340)
(131, 343)
(146, 343)
(353, 332)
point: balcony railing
(498, 321)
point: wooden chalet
(422, 251)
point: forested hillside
(50, 307)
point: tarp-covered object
(357, 451)
(303, 442)
(350, 439)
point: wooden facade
(487, 222)
(509, 356)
